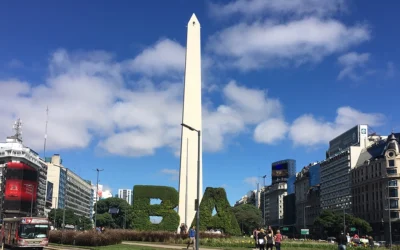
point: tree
(124, 215)
(332, 223)
(70, 219)
(248, 217)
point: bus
(25, 232)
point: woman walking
(261, 239)
(270, 240)
(278, 240)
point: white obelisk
(191, 117)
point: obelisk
(191, 116)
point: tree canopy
(248, 217)
(332, 223)
(71, 218)
(124, 215)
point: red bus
(26, 232)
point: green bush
(87, 238)
(224, 219)
(143, 209)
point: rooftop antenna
(45, 133)
(18, 129)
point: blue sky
(280, 79)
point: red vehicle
(26, 232)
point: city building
(289, 205)
(272, 203)
(307, 190)
(69, 189)
(249, 198)
(125, 194)
(375, 187)
(341, 157)
(23, 178)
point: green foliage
(248, 217)
(143, 209)
(332, 223)
(105, 219)
(71, 218)
(224, 218)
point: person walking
(255, 236)
(278, 239)
(371, 242)
(192, 238)
(270, 239)
(342, 241)
(261, 239)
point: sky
(279, 80)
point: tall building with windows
(69, 189)
(272, 203)
(125, 194)
(23, 177)
(342, 156)
(375, 187)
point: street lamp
(198, 184)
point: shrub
(143, 209)
(88, 238)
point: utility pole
(97, 192)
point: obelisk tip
(193, 20)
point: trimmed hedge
(143, 209)
(224, 219)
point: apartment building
(125, 194)
(272, 203)
(69, 189)
(375, 187)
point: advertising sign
(345, 140)
(20, 187)
(49, 192)
(280, 172)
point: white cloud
(270, 131)
(92, 101)
(271, 44)
(350, 63)
(252, 181)
(251, 8)
(308, 131)
(165, 57)
(173, 173)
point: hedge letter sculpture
(143, 210)
(224, 218)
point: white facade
(272, 197)
(125, 194)
(335, 178)
(192, 117)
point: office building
(375, 187)
(289, 210)
(125, 194)
(69, 189)
(342, 156)
(272, 205)
(23, 178)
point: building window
(393, 193)
(391, 171)
(393, 183)
(394, 215)
(391, 163)
(394, 204)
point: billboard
(49, 192)
(20, 187)
(280, 172)
(343, 141)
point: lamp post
(55, 211)
(304, 218)
(264, 199)
(97, 192)
(198, 184)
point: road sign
(304, 231)
(285, 229)
(353, 229)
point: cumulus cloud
(271, 43)
(92, 101)
(350, 62)
(271, 131)
(308, 130)
(252, 181)
(166, 56)
(251, 8)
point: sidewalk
(182, 247)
